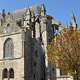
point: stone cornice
(3, 35)
(10, 58)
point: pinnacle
(43, 6)
(72, 15)
(28, 10)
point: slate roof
(18, 13)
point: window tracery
(8, 48)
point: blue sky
(60, 10)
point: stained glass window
(8, 48)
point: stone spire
(73, 20)
(73, 17)
(43, 11)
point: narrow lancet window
(5, 73)
(11, 73)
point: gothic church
(24, 35)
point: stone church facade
(24, 35)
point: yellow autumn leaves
(65, 50)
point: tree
(65, 51)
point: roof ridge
(18, 13)
(24, 8)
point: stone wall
(15, 62)
(30, 35)
(36, 60)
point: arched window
(5, 73)
(11, 73)
(8, 48)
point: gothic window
(11, 73)
(8, 48)
(5, 73)
(63, 73)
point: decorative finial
(43, 7)
(3, 15)
(72, 15)
(3, 12)
(28, 10)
